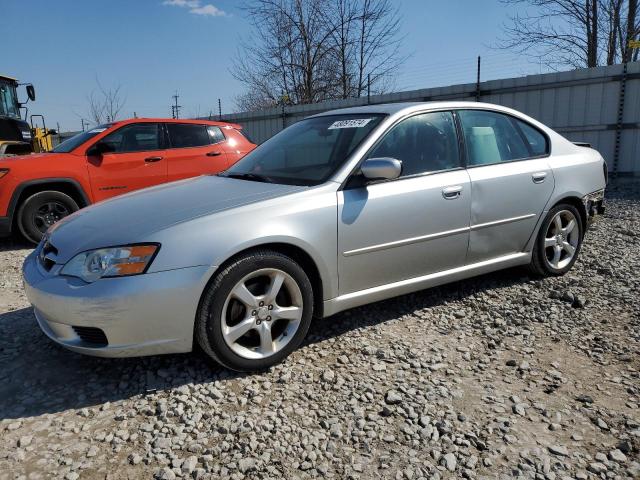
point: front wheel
(559, 241)
(41, 210)
(255, 312)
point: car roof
(399, 107)
(178, 120)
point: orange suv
(38, 190)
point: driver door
(414, 225)
(134, 158)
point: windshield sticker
(356, 123)
(97, 130)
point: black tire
(540, 265)
(31, 220)
(208, 326)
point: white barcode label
(356, 123)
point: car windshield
(74, 142)
(307, 152)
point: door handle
(451, 193)
(213, 154)
(539, 177)
(152, 159)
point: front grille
(92, 335)
(47, 255)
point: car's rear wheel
(255, 312)
(41, 210)
(559, 241)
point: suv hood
(133, 217)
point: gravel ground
(500, 376)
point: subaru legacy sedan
(338, 210)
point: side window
(215, 134)
(136, 137)
(187, 135)
(424, 143)
(491, 137)
(536, 140)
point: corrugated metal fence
(596, 105)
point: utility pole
(478, 81)
(368, 88)
(219, 110)
(175, 108)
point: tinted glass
(137, 137)
(307, 152)
(215, 134)
(188, 135)
(537, 141)
(491, 138)
(8, 100)
(74, 142)
(424, 143)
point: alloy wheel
(49, 213)
(262, 313)
(561, 239)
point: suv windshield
(307, 152)
(74, 142)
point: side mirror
(381, 168)
(98, 149)
(31, 92)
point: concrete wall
(582, 105)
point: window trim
(161, 138)
(512, 119)
(461, 153)
(171, 147)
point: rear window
(183, 135)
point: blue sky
(153, 49)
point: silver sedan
(338, 210)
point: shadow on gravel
(38, 377)
(8, 244)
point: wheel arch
(576, 202)
(68, 186)
(296, 253)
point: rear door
(511, 181)
(195, 149)
(134, 159)
(411, 226)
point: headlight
(111, 262)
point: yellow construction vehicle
(17, 137)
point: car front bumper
(147, 314)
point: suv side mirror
(381, 168)
(31, 92)
(98, 149)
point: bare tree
(305, 51)
(574, 33)
(105, 104)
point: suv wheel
(559, 241)
(255, 312)
(41, 210)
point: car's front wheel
(41, 210)
(255, 312)
(559, 241)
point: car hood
(133, 217)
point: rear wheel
(41, 210)
(559, 241)
(255, 312)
